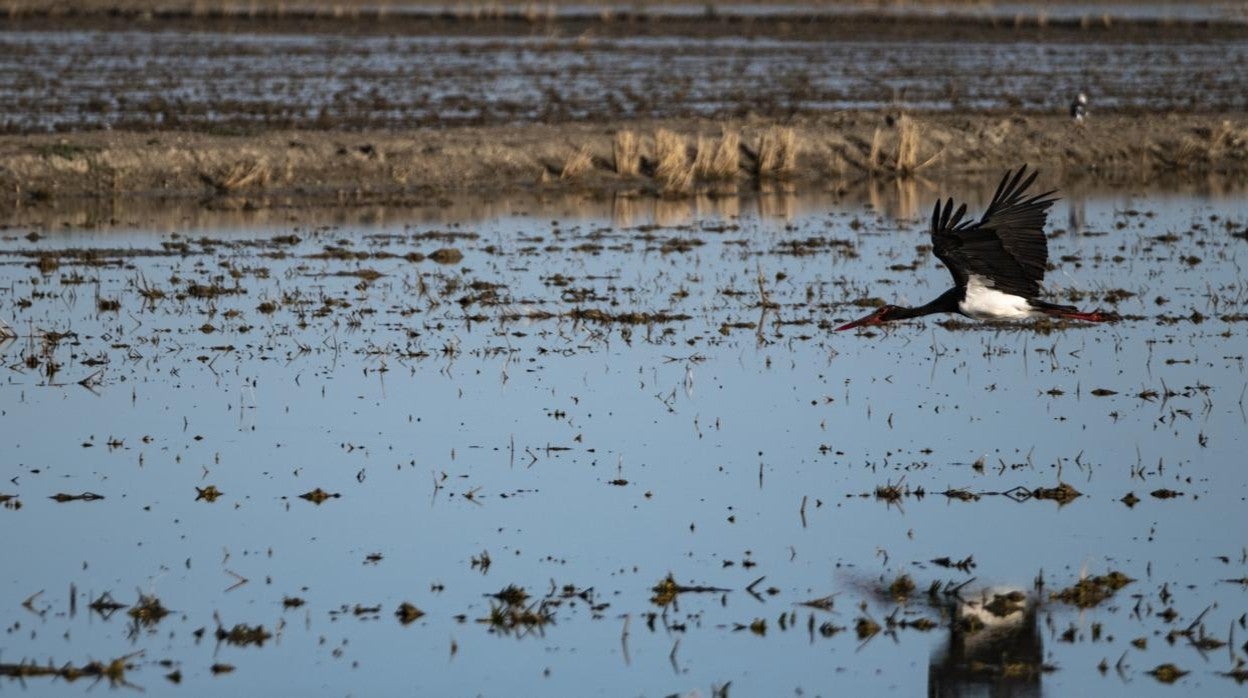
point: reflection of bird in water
(1079, 108)
(994, 649)
(997, 262)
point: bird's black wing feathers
(1006, 247)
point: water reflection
(482, 407)
(895, 199)
(1077, 216)
(994, 648)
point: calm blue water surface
(460, 410)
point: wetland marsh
(563, 450)
(398, 348)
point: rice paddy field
(235, 75)
(562, 439)
(587, 444)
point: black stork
(997, 262)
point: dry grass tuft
(702, 157)
(907, 146)
(777, 152)
(909, 138)
(1225, 141)
(905, 161)
(727, 160)
(242, 174)
(673, 170)
(873, 158)
(719, 161)
(577, 165)
(626, 150)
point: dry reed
(627, 153)
(702, 158)
(909, 138)
(777, 152)
(242, 174)
(577, 165)
(904, 162)
(720, 161)
(907, 146)
(873, 158)
(673, 170)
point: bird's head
(879, 316)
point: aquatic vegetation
(148, 610)
(1091, 591)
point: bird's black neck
(946, 302)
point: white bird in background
(1079, 108)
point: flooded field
(223, 79)
(618, 451)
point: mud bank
(395, 166)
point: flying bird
(997, 262)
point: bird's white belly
(985, 303)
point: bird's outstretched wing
(1006, 247)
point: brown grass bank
(672, 158)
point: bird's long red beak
(872, 319)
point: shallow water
(460, 411)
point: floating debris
(666, 591)
(1006, 604)
(889, 492)
(1167, 673)
(1062, 494)
(866, 628)
(823, 603)
(148, 610)
(318, 496)
(481, 562)
(1240, 675)
(84, 497)
(513, 615)
(105, 605)
(446, 255)
(512, 595)
(966, 564)
(114, 671)
(630, 318)
(901, 588)
(1091, 591)
(242, 635)
(408, 614)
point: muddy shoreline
(398, 167)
